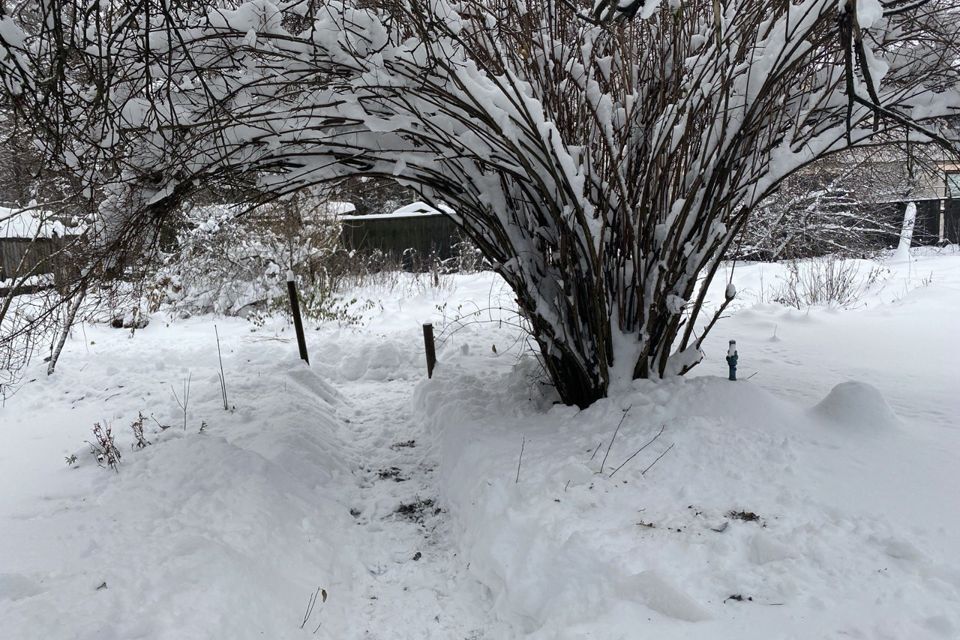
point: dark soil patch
(391, 473)
(746, 516)
(404, 445)
(416, 511)
(738, 597)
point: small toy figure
(732, 359)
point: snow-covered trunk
(906, 232)
(575, 383)
(68, 321)
(564, 303)
(598, 332)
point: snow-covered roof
(340, 208)
(208, 212)
(31, 223)
(412, 210)
(38, 280)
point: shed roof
(32, 223)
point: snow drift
(719, 528)
(856, 405)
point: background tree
(604, 158)
(849, 204)
(372, 195)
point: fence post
(429, 348)
(297, 321)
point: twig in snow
(595, 452)
(751, 375)
(139, 440)
(163, 427)
(635, 453)
(310, 604)
(520, 461)
(186, 397)
(223, 378)
(644, 472)
(105, 450)
(615, 432)
(320, 594)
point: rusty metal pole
(297, 321)
(429, 348)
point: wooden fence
(927, 229)
(409, 239)
(435, 234)
(40, 256)
(951, 220)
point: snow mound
(858, 405)
(567, 551)
(201, 534)
(711, 503)
(714, 397)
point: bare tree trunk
(65, 330)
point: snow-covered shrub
(130, 319)
(230, 261)
(805, 224)
(104, 448)
(139, 439)
(827, 280)
(845, 204)
(603, 155)
(233, 261)
(468, 258)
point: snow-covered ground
(784, 506)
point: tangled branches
(604, 166)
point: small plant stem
(635, 453)
(665, 451)
(520, 461)
(615, 432)
(223, 378)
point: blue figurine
(732, 359)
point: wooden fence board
(426, 234)
(19, 256)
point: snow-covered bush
(826, 281)
(603, 155)
(103, 448)
(139, 439)
(233, 261)
(810, 223)
(839, 205)
(468, 258)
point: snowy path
(331, 476)
(413, 583)
(225, 533)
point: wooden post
(297, 321)
(429, 348)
